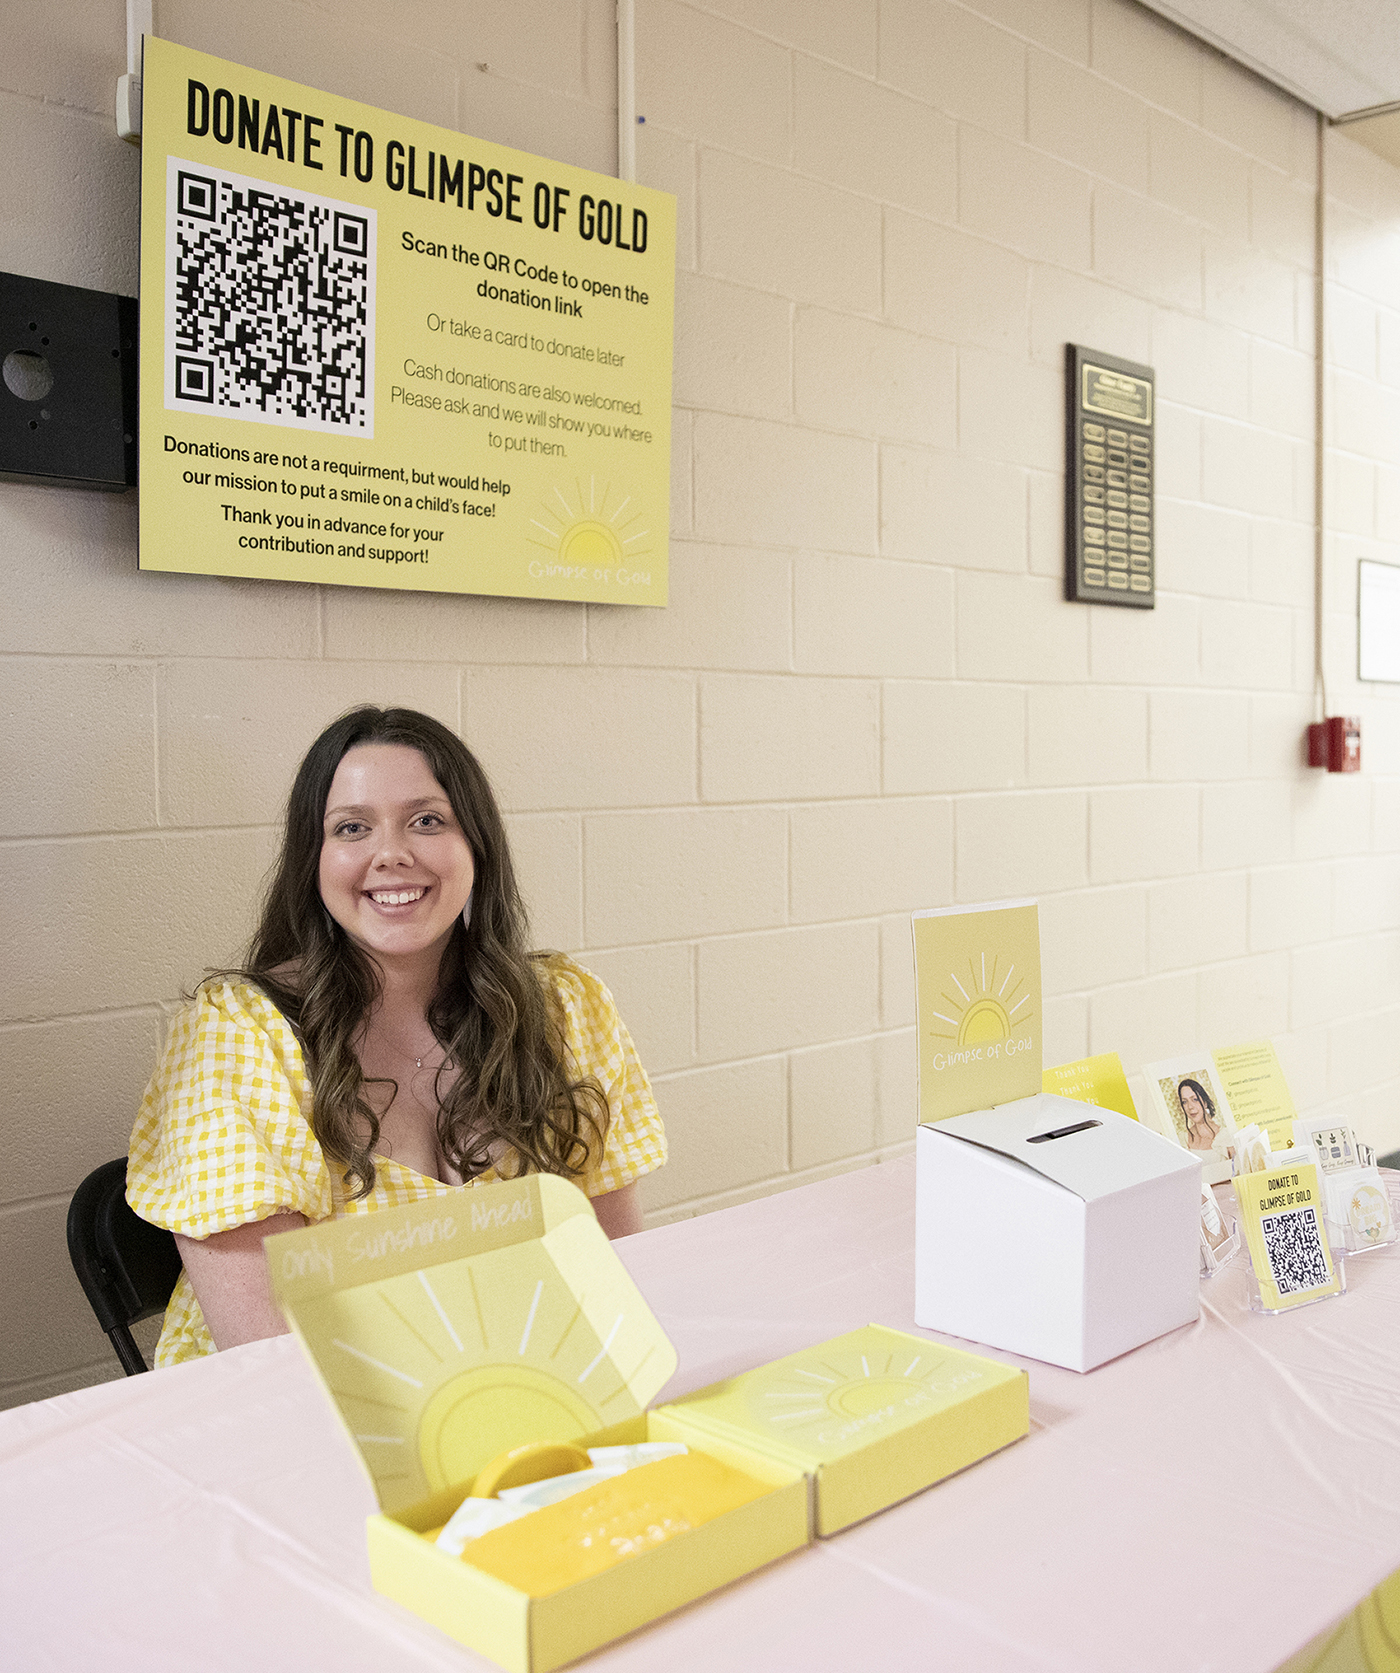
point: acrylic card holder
(1220, 1234)
(1363, 1215)
(1292, 1260)
(1257, 1304)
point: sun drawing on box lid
(435, 1372)
(988, 1009)
(589, 530)
(804, 1393)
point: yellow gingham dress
(223, 1136)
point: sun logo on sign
(988, 1008)
(587, 534)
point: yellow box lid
(453, 1329)
(825, 1403)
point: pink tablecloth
(1213, 1500)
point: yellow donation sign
(380, 353)
(978, 982)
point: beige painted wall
(867, 694)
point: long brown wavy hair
(494, 1013)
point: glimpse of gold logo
(985, 1012)
(1369, 1213)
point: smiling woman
(389, 1038)
(395, 869)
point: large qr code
(1297, 1255)
(269, 303)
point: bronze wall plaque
(1110, 537)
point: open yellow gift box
(451, 1331)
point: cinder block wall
(866, 694)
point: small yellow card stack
(1282, 1212)
(1093, 1080)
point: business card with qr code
(1282, 1214)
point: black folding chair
(127, 1266)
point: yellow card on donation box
(1282, 1214)
(1093, 1080)
(380, 353)
(453, 1330)
(977, 973)
(1257, 1088)
(871, 1417)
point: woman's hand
(229, 1275)
(619, 1212)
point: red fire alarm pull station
(1335, 743)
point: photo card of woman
(1188, 1104)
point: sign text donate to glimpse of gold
(376, 352)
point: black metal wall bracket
(67, 385)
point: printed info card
(1093, 1080)
(977, 972)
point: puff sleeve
(223, 1136)
(599, 1045)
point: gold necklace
(408, 1052)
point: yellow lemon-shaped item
(536, 1461)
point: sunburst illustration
(800, 1397)
(864, 1416)
(595, 529)
(990, 1004)
(437, 1371)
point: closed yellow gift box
(870, 1417)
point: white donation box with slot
(1055, 1229)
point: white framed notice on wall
(1378, 621)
